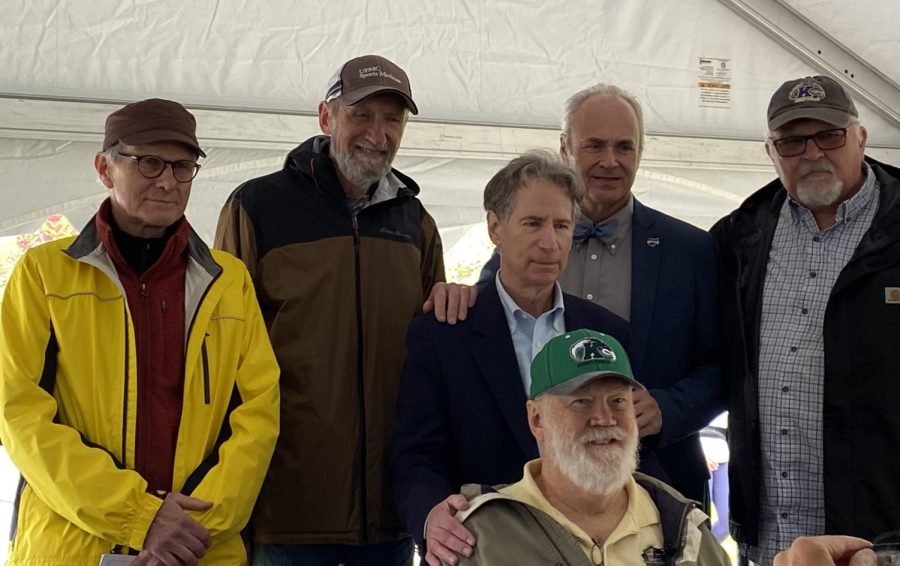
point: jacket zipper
(360, 384)
(125, 382)
(671, 549)
(142, 365)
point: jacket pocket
(205, 356)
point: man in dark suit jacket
(460, 410)
(673, 341)
(653, 270)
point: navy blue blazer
(673, 341)
(461, 414)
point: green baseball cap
(575, 358)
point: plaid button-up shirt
(804, 263)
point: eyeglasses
(793, 146)
(152, 166)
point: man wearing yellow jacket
(138, 389)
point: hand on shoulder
(450, 301)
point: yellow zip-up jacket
(75, 447)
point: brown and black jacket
(337, 293)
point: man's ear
(769, 148)
(101, 164)
(493, 225)
(863, 136)
(324, 117)
(563, 148)
(535, 419)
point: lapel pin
(652, 242)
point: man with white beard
(582, 502)
(809, 268)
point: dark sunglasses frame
(817, 138)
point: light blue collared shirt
(529, 334)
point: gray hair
(334, 104)
(500, 191)
(112, 152)
(601, 89)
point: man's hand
(445, 537)
(646, 410)
(450, 301)
(827, 550)
(175, 539)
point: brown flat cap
(150, 121)
(364, 76)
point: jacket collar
(90, 241)
(311, 160)
(676, 514)
(753, 223)
(883, 234)
(761, 209)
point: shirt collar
(847, 210)
(388, 187)
(511, 309)
(636, 516)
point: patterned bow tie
(604, 231)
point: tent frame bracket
(796, 33)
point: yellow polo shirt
(638, 530)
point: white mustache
(806, 168)
(603, 435)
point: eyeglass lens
(795, 145)
(152, 166)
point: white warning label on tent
(714, 82)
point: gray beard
(818, 196)
(597, 474)
(815, 195)
(357, 172)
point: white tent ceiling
(489, 78)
